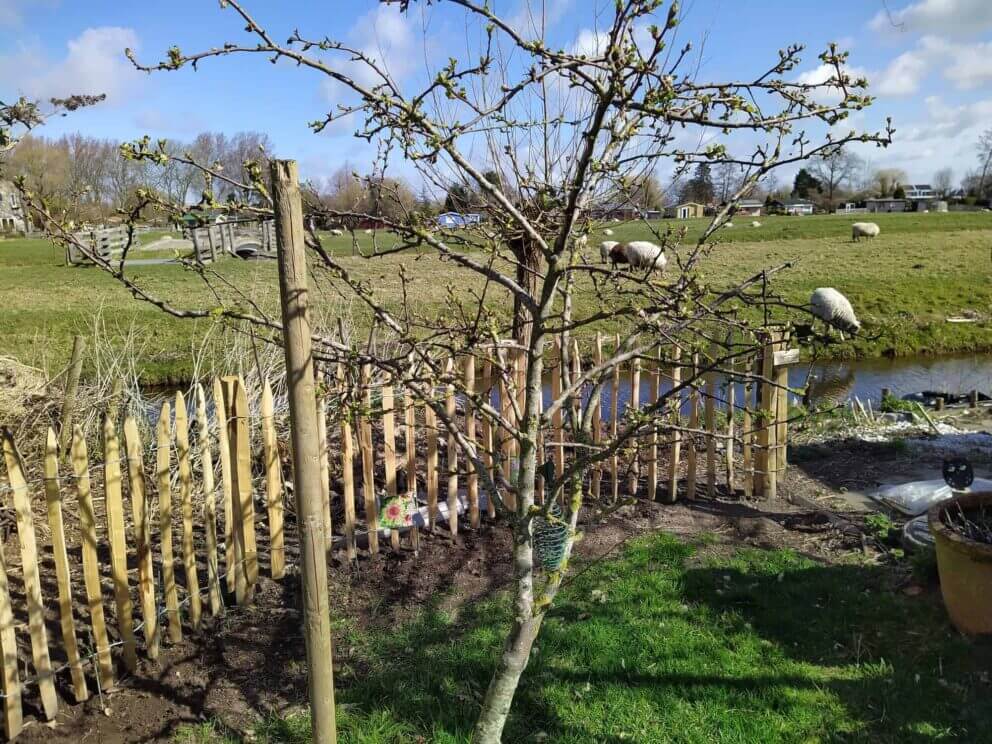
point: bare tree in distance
(886, 180)
(833, 169)
(943, 181)
(984, 147)
(562, 131)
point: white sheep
(640, 254)
(604, 249)
(833, 308)
(582, 241)
(607, 232)
(337, 232)
(755, 224)
(368, 232)
(864, 230)
(728, 224)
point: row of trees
(86, 179)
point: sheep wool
(833, 308)
(642, 254)
(604, 249)
(607, 232)
(755, 224)
(864, 230)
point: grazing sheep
(833, 308)
(755, 224)
(640, 254)
(337, 231)
(582, 241)
(368, 232)
(728, 224)
(604, 249)
(607, 232)
(864, 230)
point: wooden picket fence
(216, 518)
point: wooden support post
(368, 462)
(410, 442)
(243, 510)
(597, 424)
(747, 437)
(186, 504)
(556, 418)
(472, 477)
(430, 423)
(452, 453)
(223, 416)
(389, 454)
(273, 486)
(163, 466)
(13, 720)
(634, 405)
(654, 392)
(91, 561)
(487, 438)
(710, 412)
(690, 483)
(347, 473)
(764, 484)
(325, 474)
(506, 412)
(141, 517)
(306, 473)
(674, 455)
(731, 430)
(32, 575)
(615, 424)
(118, 541)
(782, 412)
(53, 500)
(209, 501)
(73, 373)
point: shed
(686, 210)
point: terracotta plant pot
(965, 567)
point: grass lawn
(673, 642)
(903, 285)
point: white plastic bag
(914, 498)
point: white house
(11, 210)
(798, 207)
(457, 219)
(920, 191)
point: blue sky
(929, 62)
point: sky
(929, 63)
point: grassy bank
(677, 643)
(903, 285)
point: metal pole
(306, 454)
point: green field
(904, 284)
(674, 643)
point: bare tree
(886, 180)
(943, 181)
(984, 160)
(833, 169)
(562, 130)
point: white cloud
(903, 75)
(12, 11)
(968, 65)
(590, 43)
(824, 73)
(94, 63)
(952, 17)
(533, 14)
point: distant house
(799, 207)
(685, 211)
(11, 210)
(457, 219)
(624, 211)
(920, 191)
(851, 208)
(886, 204)
(750, 208)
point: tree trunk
(499, 696)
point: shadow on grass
(664, 645)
